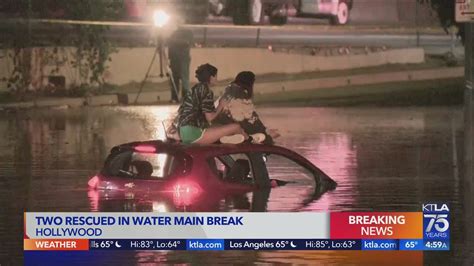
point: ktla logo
(434, 207)
(436, 220)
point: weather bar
(236, 244)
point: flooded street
(383, 159)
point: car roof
(172, 146)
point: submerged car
(185, 173)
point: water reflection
(383, 159)
(256, 201)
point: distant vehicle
(251, 12)
(185, 173)
(338, 11)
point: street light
(160, 18)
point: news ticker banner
(426, 230)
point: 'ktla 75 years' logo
(439, 221)
(436, 221)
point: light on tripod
(160, 18)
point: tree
(92, 48)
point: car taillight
(93, 200)
(184, 192)
(93, 182)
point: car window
(232, 167)
(117, 162)
(142, 165)
(152, 165)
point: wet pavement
(384, 159)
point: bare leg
(213, 134)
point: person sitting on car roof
(197, 111)
(241, 109)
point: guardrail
(261, 35)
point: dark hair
(246, 79)
(204, 72)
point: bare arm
(211, 116)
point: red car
(188, 173)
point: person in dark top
(197, 111)
(240, 108)
(179, 47)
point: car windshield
(284, 168)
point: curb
(153, 98)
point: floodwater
(384, 159)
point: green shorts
(190, 134)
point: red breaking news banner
(376, 225)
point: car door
(144, 171)
(234, 171)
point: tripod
(158, 50)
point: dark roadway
(228, 35)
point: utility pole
(468, 127)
